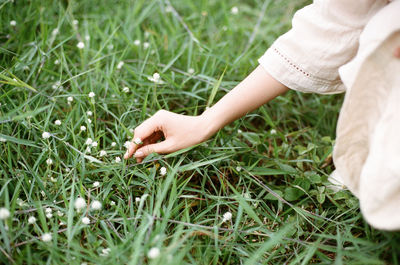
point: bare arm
(181, 131)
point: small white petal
(125, 89)
(70, 99)
(57, 122)
(86, 220)
(113, 144)
(103, 153)
(49, 215)
(49, 161)
(227, 216)
(4, 213)
(80, 45)
(31, 220)
(117, 159)
(136, 42)
(59, 213)
(96, 205)
(153, 253)
(89, 113)
(120, 64)
(163, 171)
(92, 94)
(13, 23)
(80, 203)
(46, 135)
(95, 144)
(96, 184)
(146, 45)
(112, 203)
(48, 210)
(89, 141)
(46, 237)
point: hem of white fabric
(294, 77)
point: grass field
(268, 169)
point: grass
(269, 169)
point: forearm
(255, 90)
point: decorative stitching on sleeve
(290, 63)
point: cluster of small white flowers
(227, 216)
(273, 131)
(136, 42)
(59, 213)
(120, 64)
(75, 22)
(89, 141)
(163, 171)
(4, 213)
(146, 45)
(56, 62)
(57, 122)
(46, 237)
(46, 135)
(103, 153)
(125, 89)
(83, 128)
(49, 161)
(113, 144)
(70, 99)
(57, 85)
(80, 45)
(153, 253)
(86, 220)
(112, 203)
(137, 199)
(117, 159)
(156, 78)
(238, 169)
(89, 113)
(96, 184)
(235, 10)
(49, 213)
(13, 23)
(96, 205)
(80, 203)
(137, 140)
(91, 94)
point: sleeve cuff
(281, 68)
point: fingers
(143, 131)
(159, 148)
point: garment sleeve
(324, 36)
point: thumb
(159, 148)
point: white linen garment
(348, 46)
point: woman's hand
(179, 131)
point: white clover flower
(49, 215)
(91, 94)
(127, 144)
(153, 253)
(95, 144)
(125, 89)
(146, 45)
(87, 37)
(75, 22)
(273, 131)
(105, 252)
(117, 159)
(59, 213)
(112, 203)
(120, 64)
(80, 203)
(86, 220)
(163, 171)
(55, 32)
(4, 213)
(136, 42)
(46, 135)
(57, 122)
(48, 210)
(89, 113)
(227, 216)
(46, 237)
(113, 144)
(96, 184)
(235, 10)
(70, 99)
(156, 78)
(80, 45)
(137, 140)
(103, 153)
(31, 220)
(13, 23)
(83, 128)
(191, 71)
(89, 121)
(49, 161)
(96, 205)
(89, 141)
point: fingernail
(139, 154)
